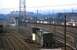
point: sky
(12, 5)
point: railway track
(14, 41)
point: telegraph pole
(37, 16)
(65, 33)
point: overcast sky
(6, 5)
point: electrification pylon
(22, 11)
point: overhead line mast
(22, 11)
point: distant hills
(39, 16)
(3, 17)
